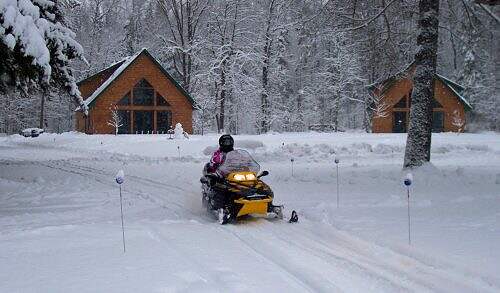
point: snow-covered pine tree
(418, 144)
(35, 50)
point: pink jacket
(217, 159)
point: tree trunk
(265, 107)
(336, 110)
(222, 96)
(418, 144)
(42, 110)
(265, 94)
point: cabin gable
(176, 108)
(449, 110)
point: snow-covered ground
(60, 228)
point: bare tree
(457, 121)
(223, 30)
(116, 120)
(380, 107)
(183, 18)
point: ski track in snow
(303, 257)
(354, 266)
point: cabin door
(399, 121)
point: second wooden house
(394, 98)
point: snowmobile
(236, 190)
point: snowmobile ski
(294, 218)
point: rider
(226, 144)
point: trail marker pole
(120, 178)
(292, 160)
(337, 161)
(179, 151)
(408, 180)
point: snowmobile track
(104, 179)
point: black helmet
(226, 143)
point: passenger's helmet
(226, 143)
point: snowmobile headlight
(239, 177)
(250, 177)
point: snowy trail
(325, 262)
(63, 229)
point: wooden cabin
(141, 91)
(394, 99)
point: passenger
(226, 144)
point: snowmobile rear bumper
(259, 206)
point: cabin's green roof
(457, 89)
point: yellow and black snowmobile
(236, 189)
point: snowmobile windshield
(238, 161)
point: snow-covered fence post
(292, 160)
(120, 178)
(337, 161)
(408, 180)
(179, 151)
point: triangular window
(436, 104)
(125, 101)
(161, 101)
(143, 84)
(401, 103)
(143, 93)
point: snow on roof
(456, 89)
(115, 64)
(115, 74)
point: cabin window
(161, 101)
(143, 122)
(163, 121)
(401, 103)
(125, 101)
(125, 122)
(437, 121)
(399, 121)
(143, 94)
